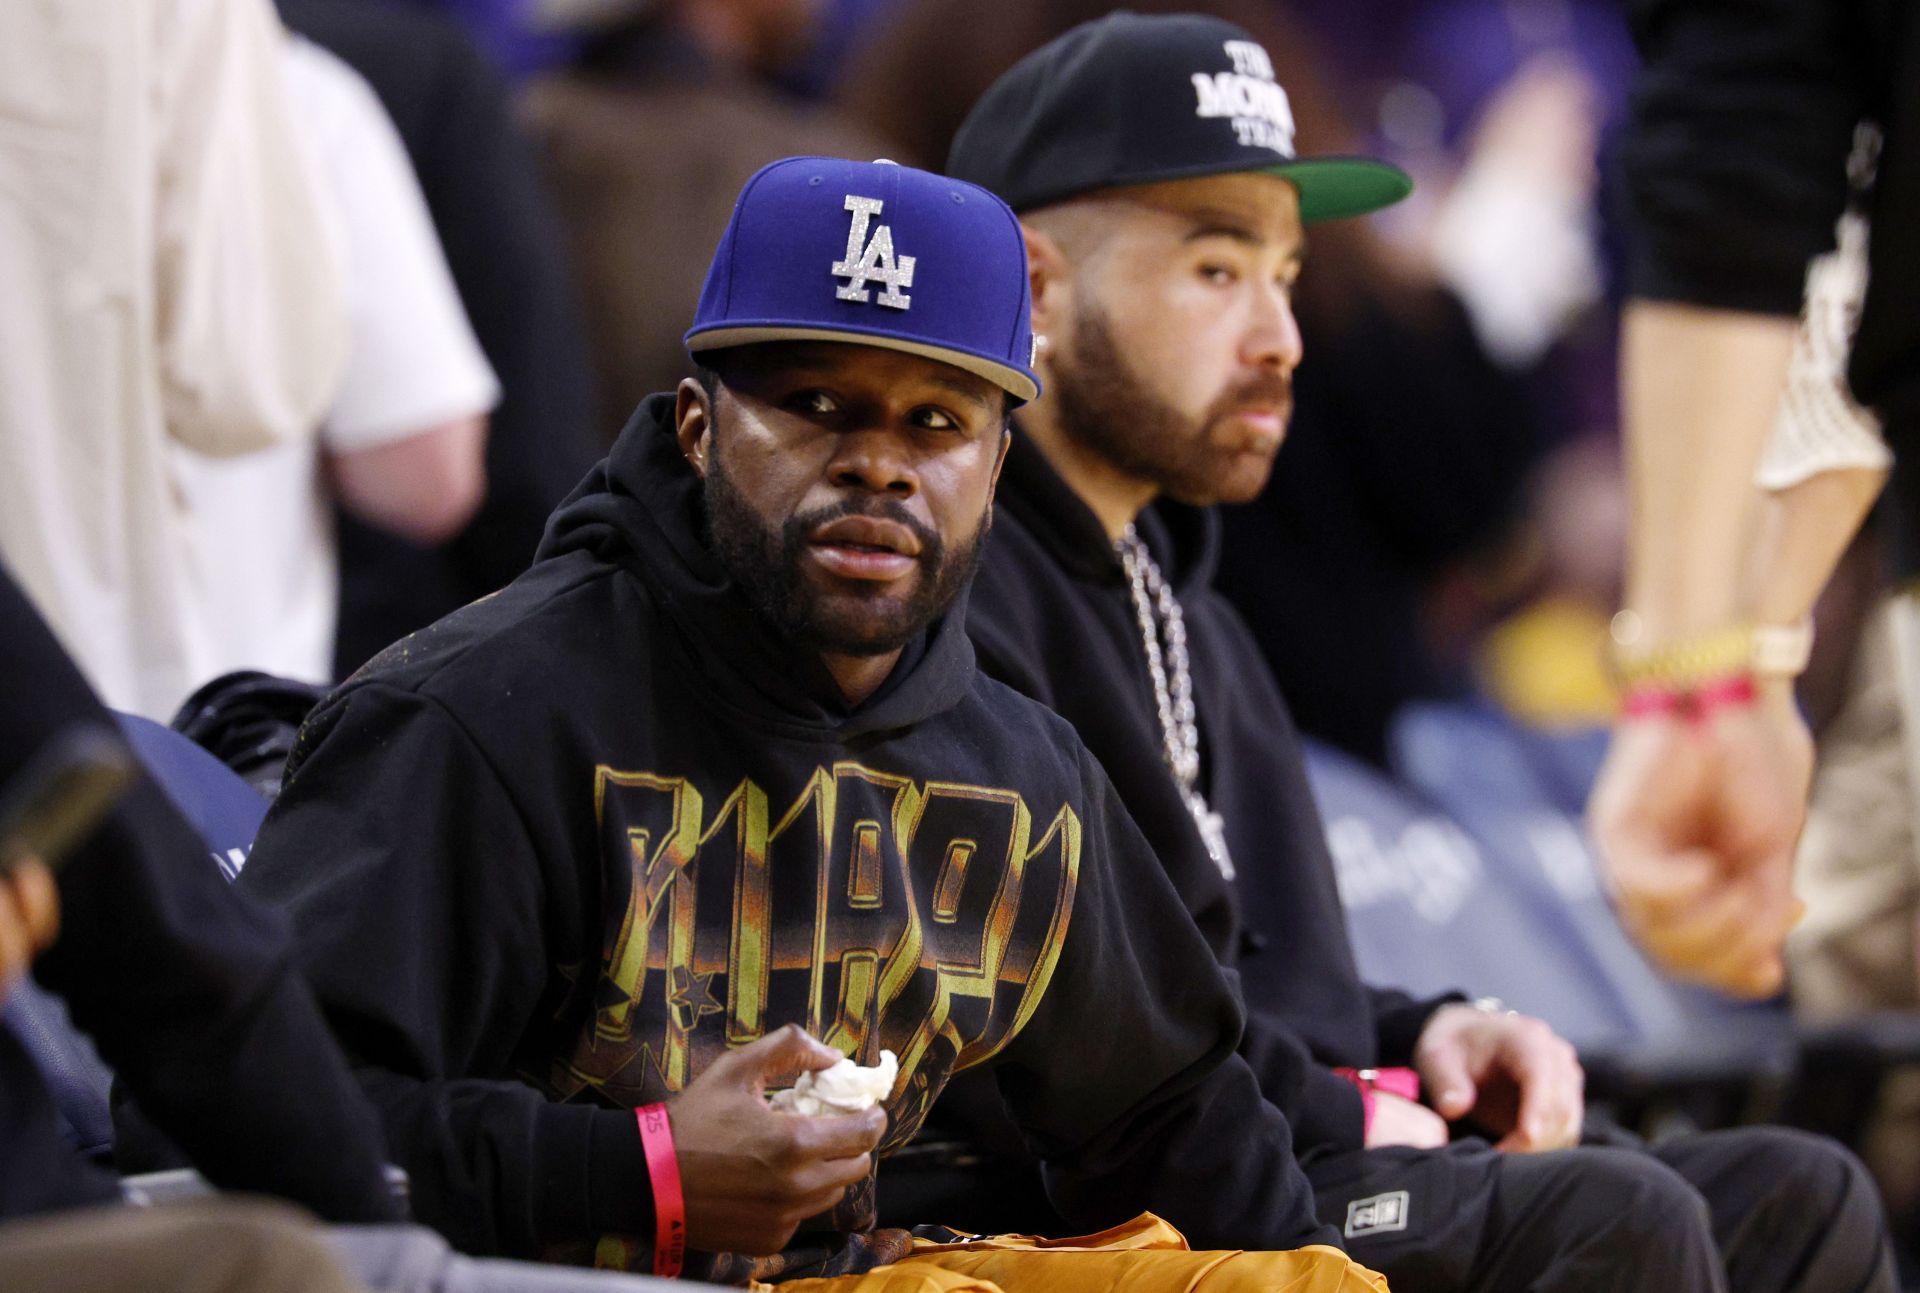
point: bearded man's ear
(693, 423)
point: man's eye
(1219, 275)
(933, 419)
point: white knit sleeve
(1820, 427)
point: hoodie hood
(639, 509)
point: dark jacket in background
(506, 250)
(1735, 171)
(1407, 453)
(1051, 616)
(186, 988)
(551, 856)
(646, 145)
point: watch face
(1782, 650)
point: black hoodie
(1051, 616)
(552, 855)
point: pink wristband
(1692, 704)
(669, 1204)
(1728, 693)
(1651, 702)
(1403, 1082)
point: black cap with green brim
(1131, 99)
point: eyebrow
(956, 387)
(820, 363)
(1209, 223)
(810, 356)
(1215, 222)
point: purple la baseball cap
(821, 249)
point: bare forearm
(1700, 389)
(1803, 531)
(1697, 816)
(424, 488)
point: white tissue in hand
(844, 1088)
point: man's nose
(1272, 338)
(874, 460)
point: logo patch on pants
(1378, 1214)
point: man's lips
(865, 547)
(1267, 422)
(868, 532)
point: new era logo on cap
(826, 250)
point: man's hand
(751, 1175)
(29, 919)
(1400, 1121)
(1696, 825)
(1512, 1073)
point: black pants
(1751, 1211)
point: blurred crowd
(351, 295)
(484, 222)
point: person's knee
(1820, 1178)
(1596, 1216)
(1812, 1204)
(1640, 1201)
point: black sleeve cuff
(1331, 1117)
(1398, 1021)
(1775, 290)
(593, 1174)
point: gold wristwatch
(1761, 651)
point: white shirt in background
(262, 528)
(160, 251)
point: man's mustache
(1267, 388)
(880, 509)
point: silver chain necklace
(1158, 613)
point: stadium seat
(1471, 866)
(1470, 872)
(74, 1072)
(223, 808)
(1521, 793)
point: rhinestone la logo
(872, 260)
(1249, 97)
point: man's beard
(1103, 406)
(766, 565)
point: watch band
(1683, 664)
